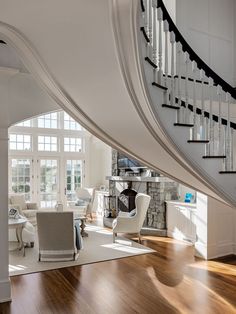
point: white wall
(209, 27)
(221, 229)
(99, 165)
(216, 228)
(235, 44)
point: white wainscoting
(180, 219)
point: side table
(18, 225)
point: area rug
(98, 247)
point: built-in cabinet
(180, 220)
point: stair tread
(151, 62)
(184, 124)
(220, 156)
(158, 85)
(171, 107)
(198, 141)
(145, 34)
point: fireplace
(126, 199)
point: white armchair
(25, 209)
(86, 195)
(128, 223)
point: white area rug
(98, 247)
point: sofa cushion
(28, 213)
(19, 200)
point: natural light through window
(72, 144)
(20, 142)
(47, 143)
(49, 120)
(26, 123)
(70, 123)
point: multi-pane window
(20, 142)
(27, 123)
(20, 177)
(70, 123)
(73, 178)
(49, 120)
(48, 182)
(47, 143)
(72, 144)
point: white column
(5, 287)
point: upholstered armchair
(132, 222)
(25, 209)
(85, 197)
(56, 236)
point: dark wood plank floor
(168, 281)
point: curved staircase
(123, 70)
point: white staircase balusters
(178, 70)
(211, 145)
(228, 146)
(166, 56)
(160, 61)
(195, 128)
(150, 33)
(220, 144)
(232, 151)
(155, 57)
(172, 91)
(186, 60)
(202, 118)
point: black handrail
(192, 54)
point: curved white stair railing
(197, 106)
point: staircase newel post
(160, 70)
(166, 54)
(186, 60)
(172, 93)
(195, 128)
(155, 59)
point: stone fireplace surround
(160, 189)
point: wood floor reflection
(168, 281)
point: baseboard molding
(5, 290)
(179, 236)
(220, 250)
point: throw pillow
(132, 213)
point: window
(47, 143)
(27, 123)
(70, 123)
(48, 182)
(49, 120)
(72, 144)
(20, 177)
(20, 142)
(73, 178)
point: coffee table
(18, 225)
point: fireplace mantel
(138, 179)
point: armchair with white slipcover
(132, 222)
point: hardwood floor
(168, 281)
